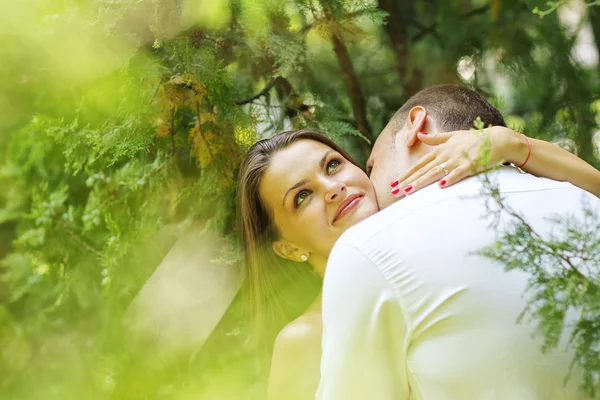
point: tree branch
(263, 92)
(357, 99)
(425, 30)
(400, 15)
(476, 11)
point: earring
(304, 257)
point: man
(409, 311)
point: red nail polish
(443, 182)
(395, 183)
(423, 133)
(396, 191)
(408, 188)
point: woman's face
(314, 195)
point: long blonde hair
(269, 277)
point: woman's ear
(417, 118)
(287, 250)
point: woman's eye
(301, 196)
(332, 166)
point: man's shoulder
(388, 218)
(369, 227)
(506, 180)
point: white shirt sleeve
(364, 332)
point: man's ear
(417, 117)
(287, 250)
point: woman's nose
(334, 192)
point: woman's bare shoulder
(296, 359)
(304, 331)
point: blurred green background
(122, 125)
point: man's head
(441, 108)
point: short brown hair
(454, 107)
(267, 274)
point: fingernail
(443, 182)
(395, 183)
(423, 133)
(408, 188)
(395, 190)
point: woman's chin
(362, 212)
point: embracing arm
(364, 334)
(456, 153)
(551, 161)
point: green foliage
(555, 5)
(124, 124)
(564, 267)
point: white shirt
(410, 312)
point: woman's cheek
(368, 185)
(317, 217)
(361, 180)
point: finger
(434, 139)
(426, 159)
(459, 173)
(433, 164)
(433, 175)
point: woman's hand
(458, 155)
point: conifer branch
(172, 131)
(561, 287)
(158, 86)
(80, 241)
(197, 36)
(532, 233)
(106, 201)
(133, 131)
(72, 234)
(202, 132)
(347, 17)
(155, 170)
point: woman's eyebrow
(296, 186)
(324, 158)
(304, 181)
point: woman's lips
(347, 206)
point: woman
(288, 216)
